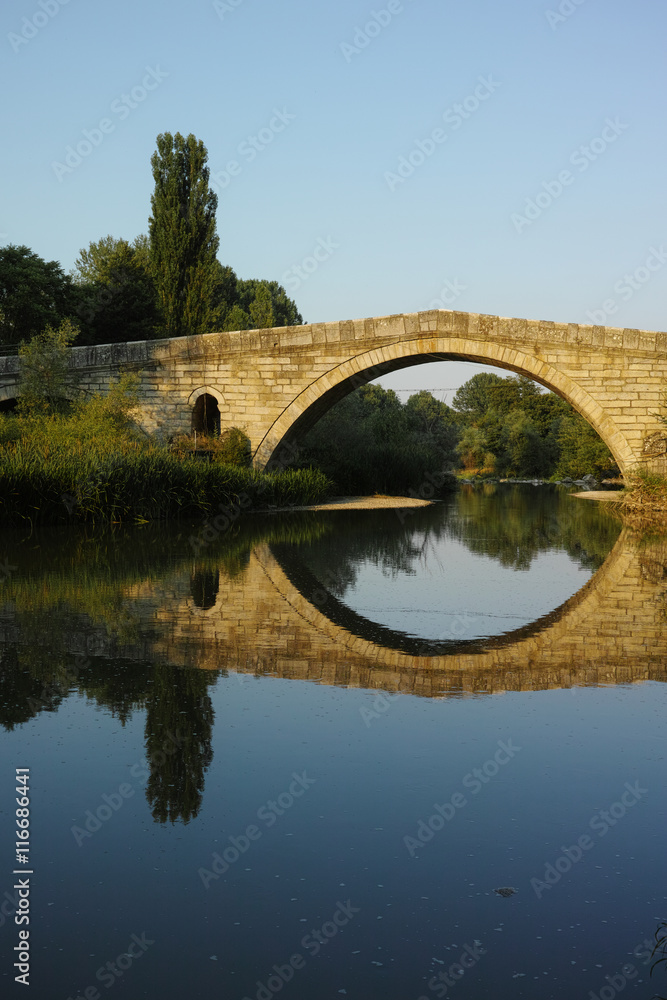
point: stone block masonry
(276, 383)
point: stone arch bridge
(276, 383)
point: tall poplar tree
(182, 235)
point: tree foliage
(167, 284)
(511, 428)
(371, 442)
(47, 384)
(582, 450)
(261, 310)
(116, 291)
(285, 312)
(34, 294)
(183, 237)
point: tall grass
(59, 469)
(646, 494)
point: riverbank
(64, 487)
(606, 496)
(376, 502)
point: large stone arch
(306, 409)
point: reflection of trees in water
(179, 722)
(511, 524)
(516, 524)
(179, 713)
(26, 688)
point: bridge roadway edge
(268, 379)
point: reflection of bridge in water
(276, 619)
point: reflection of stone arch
(205, 403)
(578, 631)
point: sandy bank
(368, 503)
(609, 495)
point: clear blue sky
(578, 95)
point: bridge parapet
(277, 382)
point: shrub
(232, 447)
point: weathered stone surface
(267, 379)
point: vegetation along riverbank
(86, 461)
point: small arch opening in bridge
(9, 405)
(206, 415)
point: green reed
(59, 470)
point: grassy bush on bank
(646, 494)
(93, 465)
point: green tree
(34, 293)
(47, 384)
(183, 237)
(582, 451)
(474, 398)
(225, 295)
(285, 312)
(179, 724)
(369, 441)
(261, 310)
(118, 300)
(522, 451)
(434, 420)
(236, 319)
(473, 447)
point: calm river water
(300, 758)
